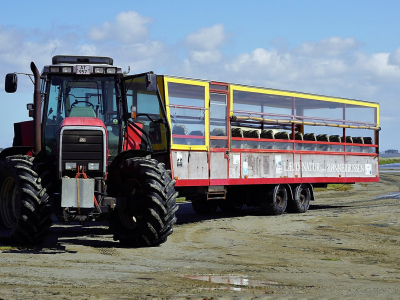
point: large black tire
(301, 200)
(276, 201)
(147, 218)
(25, 209)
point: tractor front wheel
(147, 215)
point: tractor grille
(82, 147)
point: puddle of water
(235, 280)
(389, 196)
(390, 166)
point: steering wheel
(82, 101)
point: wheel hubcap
(303, 197)
(280, 198)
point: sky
(348, 49)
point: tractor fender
(23, 150)
(113, 177)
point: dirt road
(346, 246)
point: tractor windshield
(78, 96)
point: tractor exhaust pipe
(37, 103)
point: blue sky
(349, 49)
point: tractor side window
(148, 111)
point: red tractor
(97, 149)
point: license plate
(82, 69)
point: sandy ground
(346, 246)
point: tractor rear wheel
(25, 209)
(147, 216)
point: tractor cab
(83, 88)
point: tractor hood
(83, 121)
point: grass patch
(7, 248)
(335, 187)
(180, 199)
(389, 160)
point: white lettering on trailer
(330, 167)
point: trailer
(235, 145)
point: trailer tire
(25, 208)
(147, 217)
(276, 201)
(301, 199)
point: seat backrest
(237, 132)
(358, 140)
(282, 135)
(255, 134)
(180, 129)
(335, 138)
(323, 137)
(267, 134)
(218, 132)
(85, 111)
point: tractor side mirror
(11, 83)
(151, 82)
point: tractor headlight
(93, 166)
(98, 70)
(70, 166)
(66, 69)
(111, 70)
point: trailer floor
(346, 246)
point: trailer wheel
(147, 216)
(301, 199)
(276, 201)
(25, 209)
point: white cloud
(208, 38)
(394, 58)
(128, 27)
(205, 57)
(328, 47)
